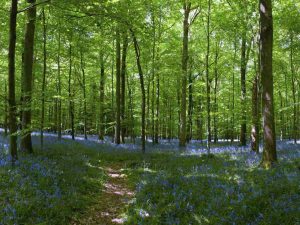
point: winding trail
(112, 202)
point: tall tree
(266, 70)
(11, 80)
(141, 74)
(59, 131)
(123, 85)
(185, 57)
(71, 97)
(208, 79)
(44, 76)
(102, 97)
(27, 79)
(118, 87)
(243, 91)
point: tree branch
(33, 5)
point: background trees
(136, 70)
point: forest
(150, 112)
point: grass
(59, 185)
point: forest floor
(111, 203)
(92, 182)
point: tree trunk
(243, 92)
(11, 81)
(293, 89)
(215, 94)
(138, 61)
(118, 88)
(190, 108)
(130, 108)
(266, 52)
(84, 94)
(102, 97)
(59, 89)
(123, 86)
(208, 82)
(255, 116)
(71, 99)
(44, 77)
(6, 110)
(233, 95)
(185, 58)
(27, 80)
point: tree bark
(44, 76)
(215, 94)
(243, 91)
(102, 97)
(84, 94)
(71, 99)
(27, 80)
(141, 74)
(266, 70)
(293, 89)
(6, 110)
(208, 82)
(118, 88)
(123, 86)
(11, 81)
(255, 116)
(185, 58)
(59, 88)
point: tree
(118, 87)
(266, 70)
(208, 79)
(44, 76)
(141, 75)
(11, 80)
(27, 78)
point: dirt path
(114, 198)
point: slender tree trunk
(138, 61)
(131, 107)
(208, 82)
(190, 108)
(112, 89)
(293, 89)
(157, 120)
(256, 96)
(153, 78)
(255, 116)
(215, 94)
(84, 94)
(243, 92)
(123, 86)
(118, 88)
(71, 99)
(59, 89)
(185, 58)
(44, 76)
(266, 52)
(6, 109)
(11, 81)
(233, 95)
(102, 97)
(27, 81)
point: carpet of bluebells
(226, 188)
(49, 187)
(172, 186)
